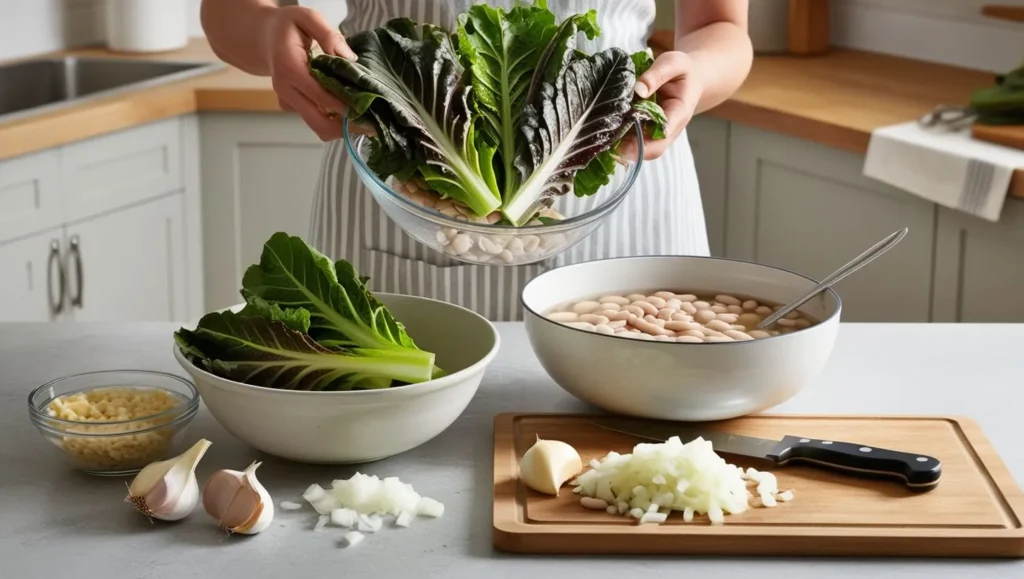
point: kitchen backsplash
(950, 31)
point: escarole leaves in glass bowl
(501, 116)
(307, 324)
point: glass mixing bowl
(445, 229)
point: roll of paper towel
(146, 25)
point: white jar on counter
(146, 25)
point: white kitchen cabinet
(807, 208)
(30, 290)
(132, 264)
(119, 212)
(259, 173)
(979, 267)
(709, 140)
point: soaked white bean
(667, 316)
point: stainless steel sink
(40, 85)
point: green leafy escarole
(504, 114)
(308, 324)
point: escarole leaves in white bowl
(504, 114)
(308, 324)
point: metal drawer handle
(56, 307)
(76, 251)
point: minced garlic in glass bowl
(114, 422)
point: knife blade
(918, 471)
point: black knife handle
(920, 472)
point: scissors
(949, 117)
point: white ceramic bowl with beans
(675, 379)
(361, 426)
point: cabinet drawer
(115, 170)
(29, 194)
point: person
(662, 215)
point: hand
(679, 90)
(288, 37)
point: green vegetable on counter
(308, 324)
(1002, 104)
(503, 114)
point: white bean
(617, 316)
(506, 256)
(531, 243)
(718, 339)
(610, 306)
(764, 311)
(734, 309)
(636, 297)
(688, 307)
(655, 321)
(581, 326)
(727, 300)
(689, 339)
(597, 320)
(693, 333)
(673, 304)
(649, 328)
(738, 335)
(665, 314)
(786, 323)
(750, 305)
(686, 298)
(633, 310)
(449, 233)
(750, 320)
(617, 300)
(793, 314)
(516, 246)
(604, 329)
(655, 301)
(759, 334)
(665, 295)
(647, 308)
(701, 305)
(461, 243)
(585, 307)
(717, 325)
(803, 323)
(705, 316)
(719, 309)
(681, 326)
(610, 314)
(616, 324)
(729, 318)
(681, 317)
(488, 246)
(564, 317)
(441, 237)
(738, 327)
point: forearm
(722, 55)
(236, 30)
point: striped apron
(662, 215)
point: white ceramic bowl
(362, 426)
(678, 381)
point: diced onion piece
(768, 500)
(653, 518)
(688, 515)
(344, 517)
(404, 519)
(785, 496)
(611, 510)
(592, 503)
(325, 505)
(321, 522)
(290, 506)
(353, 538)
(428, 507)
(636, 513)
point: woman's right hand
(286, 41)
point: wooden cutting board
(975, 511)
(1007, 136)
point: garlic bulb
(548, 464)
(238, 502)
(167, 489)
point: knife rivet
(805, 440)
(826, 442)
(922, 459)
(865, 449)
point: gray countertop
(57, 523)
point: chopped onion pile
(361, 502)
(658, 478)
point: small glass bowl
(482, 243)
(115, 447)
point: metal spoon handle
(854, 264)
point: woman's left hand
(679, 88)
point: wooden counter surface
(835, 100)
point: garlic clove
(167, 489)
(547, 464)
(238, 501)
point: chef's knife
(918, 471)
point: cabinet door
(131, 263)
(808, 208)
(979, 272)
(709, 140)
(259, 173)
(30, 290)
